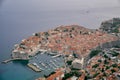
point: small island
(89, 54)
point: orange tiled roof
(58, 73)
(81, 42)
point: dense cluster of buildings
(75, 44)
(105, 65)
(64, 39)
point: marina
(46, 64)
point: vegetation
(107, 67)
(106, 62)
(94, 53)
(114, 53)
(72, 73)
(116, 30)
(114, 65)
(112, 70)
(68, 75)
(95, 75)
(37, 34)
(105, 56)
(46, 34)
(95, 66)
(75, 55)
(69, 62)
(99, 60)
(117, 46)
(119, 67)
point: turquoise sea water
(20, 18)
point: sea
(20, 18)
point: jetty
(34, 67)
(6, 61)
(12, 59)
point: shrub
(107, 67)
(68, 75)
(105, 56)
(115, 54)
(112, 70)
(69, 62)
(99, 60)
(95, 66)
(119, 67)
(95, 75)
(106, 62)
(114, 65)
(94, 53)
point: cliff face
(63, 39)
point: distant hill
(111, 26)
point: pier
(6, 61)
(9, 60)
(34, 67)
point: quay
(34, 67)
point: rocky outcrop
(111, 26)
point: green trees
(99, 60)
(95, 66)
(105, 56)
(94, 53)
(114, 65)
(95, 75)
(67, 75)
(115, 54)
(69, 62)
(106, 62)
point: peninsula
(64, 40)
(89, 54)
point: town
(87, 54)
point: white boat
(56, 56)
(43, 65)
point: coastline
(64, 41)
